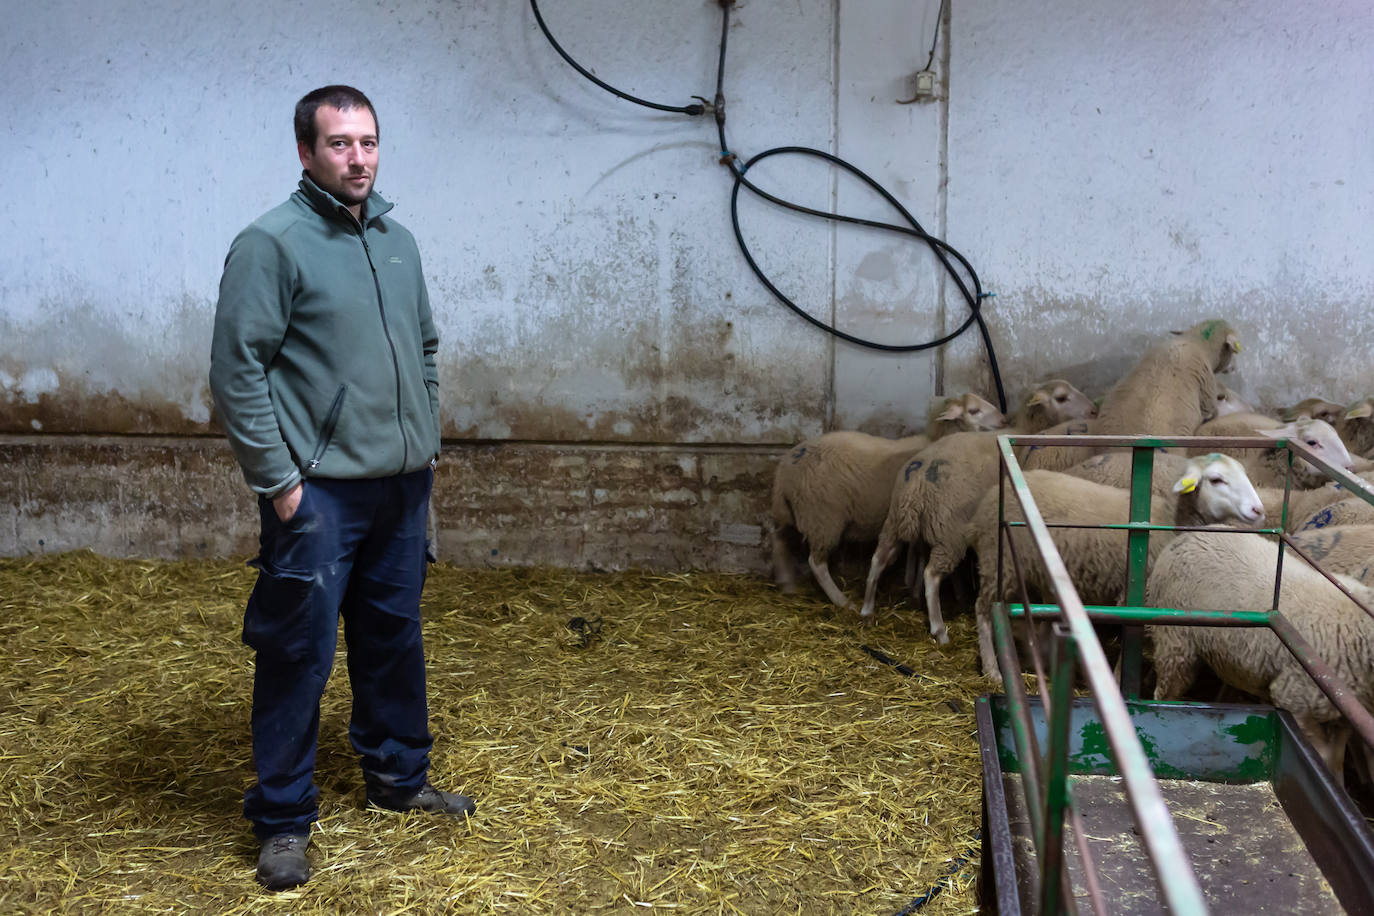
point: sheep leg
(1322, 743)
(937, 620)
(918, 573)
(1175, 666)
(912, 562)
(1339, 737)
(821, 570)
(987, 651)
(784, 570)
(882, 556)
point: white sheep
(837, 486)
(1269, 467)
(1210, 571)
(1213, 488)
(1169, 392)
(937, 488)
(1310, 508)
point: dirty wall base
(510, 504)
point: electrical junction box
(925, 84)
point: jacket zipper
(331, 420)
(395, 363)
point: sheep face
(1229, 401)
(1061, 401)
(1319, 437)
(972, 413)
(1224, 491)
(1316, 409)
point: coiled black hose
(942, 250)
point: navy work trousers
(356, 549)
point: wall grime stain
(579, 506)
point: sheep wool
(1211, 489)
(1210, 571)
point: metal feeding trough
(1115, 805)
(1262, 823)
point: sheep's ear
(1038, 398)
(953, 411)
(1283, 432)
(1360, 411)
(1233, 342)
(1185, 484)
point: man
(323, 373)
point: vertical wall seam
(831, 341)
(942, 203)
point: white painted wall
(1113, 171)
(1119, 169)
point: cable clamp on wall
(727, 157)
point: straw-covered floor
(694, 743)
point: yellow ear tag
(1187, 485)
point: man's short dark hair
(343, 98)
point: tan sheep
(1169, 392)
(1213, 488)
(934, 492)
(836, 487)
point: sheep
(1315, 408)
(1356, 427)
(1213, 488)
(1169, 392)
(1212, 571)
(1269, 467)
(1236, 424)
(1339, 513)
(837, 485)
(936, 489)
(1348, 550)
(1113, 469)
(967, 412)
(1311, 508)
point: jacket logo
(393, 260)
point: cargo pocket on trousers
(276, 622)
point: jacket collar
(328, 205)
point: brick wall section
(592, 507)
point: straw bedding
(690, 743)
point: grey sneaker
(431, 800)
(282, 863)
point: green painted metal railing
(1048, 797)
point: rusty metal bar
(1177, 882)
(1052, 872)
(1152, 615)
(1214, 443)
(1336, 690)
(1344, 478)
(1292, 545)
(1018, 709)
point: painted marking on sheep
(912, 467)
(1321, 547)
(797, 455)
(1320, 520)
(933, 472)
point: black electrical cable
(940, 248)
(694, 109)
